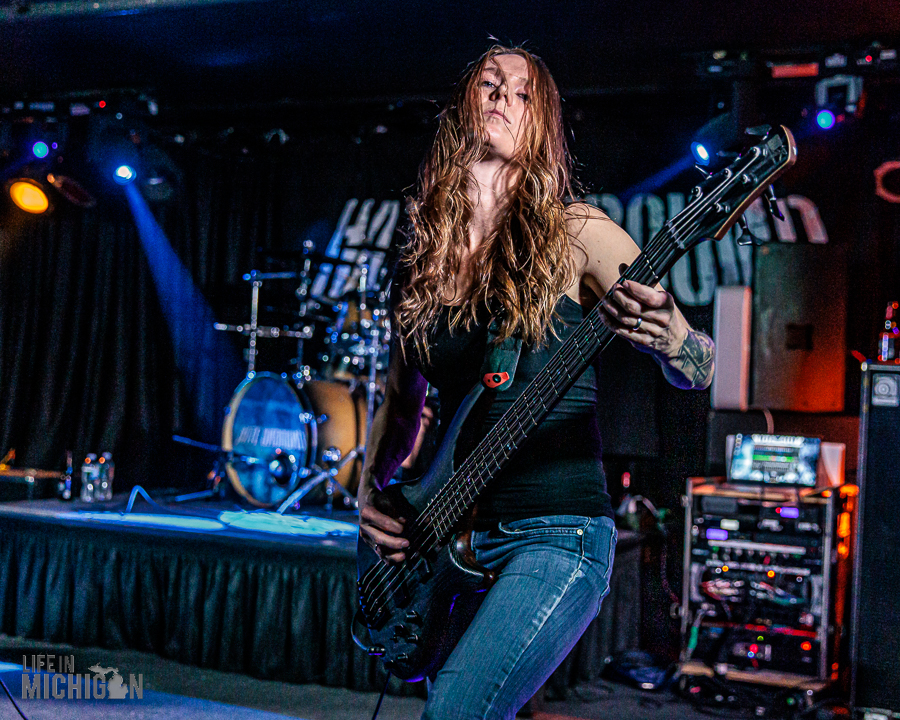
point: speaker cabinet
(799, 325)
(731, 333)
(875, 649)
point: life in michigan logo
(53, 677)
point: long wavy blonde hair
(524, 266)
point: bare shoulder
(599, 244)
(581, 215)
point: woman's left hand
(646, 317)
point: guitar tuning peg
(728, 155)
(759, 131)
(772, 203)
(700, 169)
(746, 237)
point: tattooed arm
(645, 316)
(692, 366)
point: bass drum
(272, 434)
(277, 433)
(341, 426)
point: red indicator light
(754, 648)
(868, 58)
(101, 104)
(807, 646)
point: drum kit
(297, 434)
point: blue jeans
(552, 574)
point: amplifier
(765, 580)
(876, 596)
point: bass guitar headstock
(721, 199)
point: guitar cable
(380, 697)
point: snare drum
(278, 433)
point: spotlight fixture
(28, 195)
(124, 174)
(725, 132)
(720, 134)
(72, 190)
(841, 96)
(700, 153)
(825, 119)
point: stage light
(28, 195)
(720, 134)
(725, 132)
(40, 149)
(124, 174)
(701, 154)
(825, 119)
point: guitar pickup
(423, 568)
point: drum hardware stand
(372, 340)
(304, 373)
(331, 457)
(217, 474)
(253, 330)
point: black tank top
(557, 470)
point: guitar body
(414, 628)
(418, 632)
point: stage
(213, 585)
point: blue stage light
(40, 149)
(124, 174)
(700, 152)
(825, 119)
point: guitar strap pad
(500, 359)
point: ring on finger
(637, 324)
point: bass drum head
(343, 426)
(271, 434)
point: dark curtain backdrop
(86, 355)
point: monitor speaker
(875, 641)
(799, 326)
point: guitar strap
(500, 359)
(497, 374)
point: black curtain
(86, 356)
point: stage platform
(212, 584)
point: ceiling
(233, 53)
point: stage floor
(211, 584)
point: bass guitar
(407, 606)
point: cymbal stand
(214, 478)
(304, 373)
(253, 330)
(372, 343)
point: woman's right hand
(379, 523)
